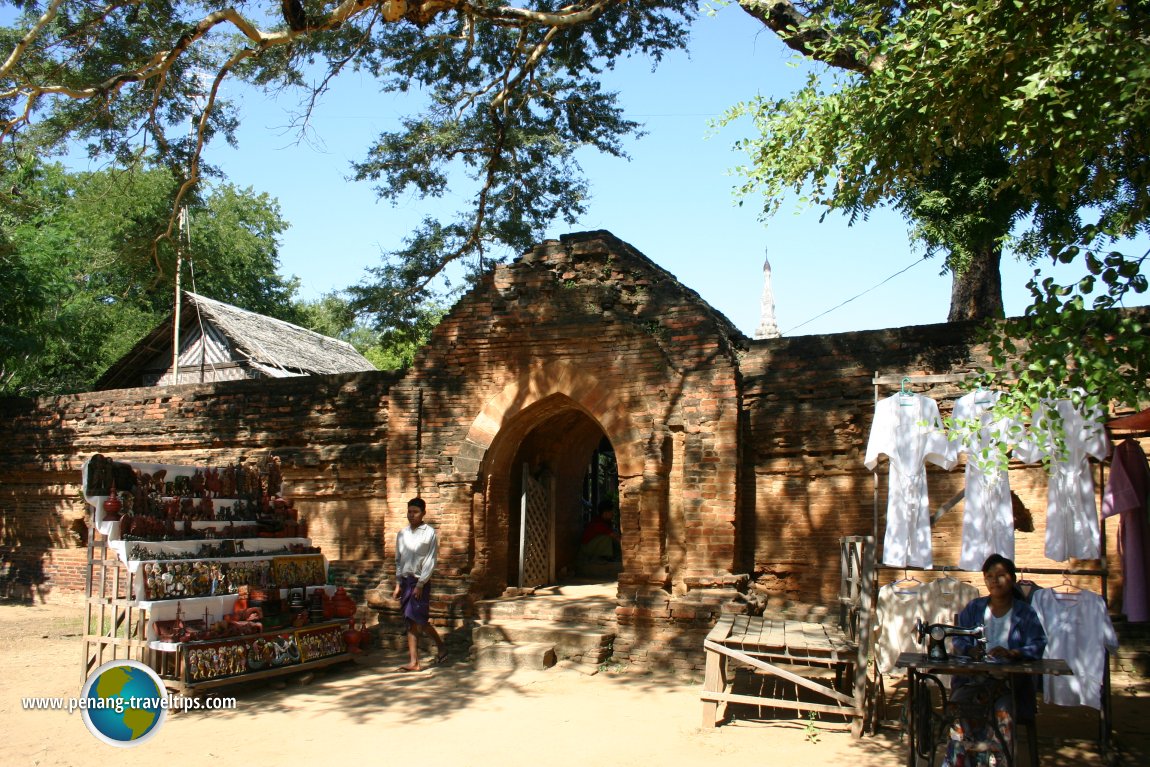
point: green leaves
(334, 316)
(1071, 343)
(511, 94)
(990, 125)
(76, 257)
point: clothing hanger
(947, 584)
(905, 395)
(983, 396)
(1066, 591)
(1025, 586)
(908, 583)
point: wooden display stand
(297, 649)
(115, 626)
(770, 644)
(784, 649)
(123, 610)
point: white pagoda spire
(768, 328)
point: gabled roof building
(221, 342)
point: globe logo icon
(124, 703)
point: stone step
(569, 640)
(533, 644)
(595, 610)
(535, 656)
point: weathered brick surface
(328, 432)
(809, 404)
(740, 463)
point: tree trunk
(976, 292)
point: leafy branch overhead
(510, 91)
(1017, 125)
(993, 125)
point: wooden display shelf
(115, 626)
(176, 667)
(120, 618)
(248, 556)
(191, 688)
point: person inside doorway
(601, 541)
(416, 550)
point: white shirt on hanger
(988, 517)
(908, 430)
(1078, 630)
(1071, 512)
(900, 605)
(896, 610)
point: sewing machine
(937, 634)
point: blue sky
(674, 201)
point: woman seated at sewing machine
(1012, 633)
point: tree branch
(794, 29)
(155, 72)
(33, 33)
(194, 165)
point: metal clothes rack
(900, 382)
(1102, 573)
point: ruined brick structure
(739, 461)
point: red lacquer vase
(351, 637)
(112, 505)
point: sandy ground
(365, 713)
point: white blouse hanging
(1078, 630)
(907, 429)
(988, 517)
(1072, 528)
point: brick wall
(329, 433)
(740, 463)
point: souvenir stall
(909, 432)
(207, 575)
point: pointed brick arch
(568, 385)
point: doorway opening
(563, 471)
(600, 555)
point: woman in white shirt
(416, 549)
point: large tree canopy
(73, 247)
(972, 117)
(984, 120)
(511, 93)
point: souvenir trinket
(112, 506)
(342, 606)
(351, 637)
(315, 611)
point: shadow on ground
(1067, 736)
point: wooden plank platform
(769, 643)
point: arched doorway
(562, 469)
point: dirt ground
(366, 713)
